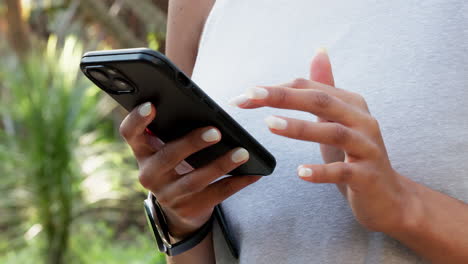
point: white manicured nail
(239, 155)
(211, 135)
(257, 93)
(277, 123)
(321, 50)
(305, 172)
(238, 100)
(145, 109)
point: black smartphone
(136, 76)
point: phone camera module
(110, 80)
(99, 76)
(121, 86)
(112, 72)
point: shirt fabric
(408, 58)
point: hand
(375, 191)
(187, 196)
(321, 71)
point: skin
(431, 223)
(185, 22)
(350, 142)
(160, 172)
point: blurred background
(68, 184)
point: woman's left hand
(379, 197)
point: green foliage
(68, 184)
(96, 243)
(153, 42)
(51, 108)
(63, 170)
(105, 249)
(24, 255)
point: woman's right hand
(187, 196)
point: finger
(243, 101)
(320, 68)
(220, 190)
(337, 172)
(346, 96)
(321, 78)
(319, 103)
(330, 153)
(183, 168)
(164, 161)
(197, 180)
(133, 130)
(192, 205)
(335, 134)
(321, 71)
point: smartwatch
(158, 224)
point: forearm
(203, 253)
(436, 226)
(186, 19)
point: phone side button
(210, 105)
(197, 92)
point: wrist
(411, 210)
(158, 224)
(178, 229)
(176, 233)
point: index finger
(318, 102)
(220, 190)
(243, 101)
(133, 130)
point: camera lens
(122, 86)
(99, 76)
(112, 72)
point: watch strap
(160, 228)
(192, 240)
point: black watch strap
(158, 224)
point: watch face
(154, 228)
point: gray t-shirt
(408, 58)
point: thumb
(320, 68)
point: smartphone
(136, 76)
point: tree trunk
(98, 11)
(59, 245)
(162, 4)
(18, 30)
(151, 16)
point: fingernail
(211, 135)
(240, 155)
(321, 50)
(238, 100)
(257, 93)
(304, 172)
(277, 123)
(145, 109)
